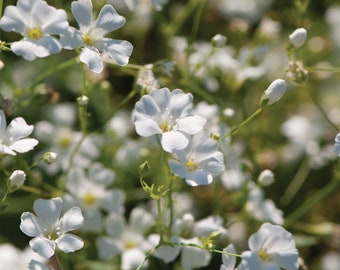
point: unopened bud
(219, 40)
(17, 178)
(298, 37)
(274, 92)
(83, 100)
(266, 178)
(50, 157)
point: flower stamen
(34, 33)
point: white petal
(36, 265)
(5, 149)
(48, 210)
(140, 220)
(42, 246)
(98, 174)
(30, 225)
(24, 48)
(118, 50)
(46, 46)
(148, 106)
(72, 219)
(115, 225)
(71, 39)
(18, 129)
(3, 124)
(177, 168)
(107, 247)
(165, 253)
(145, 126)
(250, 261)
(12, 20)
(132, 258)
(92, 59)
(198, 178)
(69, 243)
(161, 97)
(174, 140)
(82, 12)
(114, 201)
(191, 124)
(194, 257)
(108, 20)
(179, 102)
(228, 260)
(24, 145)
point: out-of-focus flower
(157, 4)
(274, 92)
(219, 40)
(89, 190)
(146, 79)
(13, 138)
(126, 240)
(12, 258)
(266, 178)
(271, 247)
(38, 23)
(298, 37)
(337, 144)
(199, 161)
(49, 229)
(1, 65)
(228, 262)
(50, 157)
(166, 113)
(91, 38)
(17, 178)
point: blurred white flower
(218, 40)
(157, 4)
(127, 240)
(13, 138)
(17, 178)
(49, 229)
(91, 38)
(89, 190)
(337, 144)
(298, 37)
(166, 113)
(199, 161)
(50, 157)
(266, 178)
(38, 23)
(271, 247)
(228, 261)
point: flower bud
(266, 178)
(219, 40)
(298, 37)
(50, 157)
(83, 100)
(17, 178)
(274, 92)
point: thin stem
(323, 69)
(53, 70)
(313, 200)
(244, 123)
(298, 180)
(58, 260)
(160, 221)
(1, 5)
(197, 19)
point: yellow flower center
(34, 33)
(89, 199)
(64, 140)
(130, 244)
(191, 165)
(88, 40)
(264, 255)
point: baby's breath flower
(17, 178)
(298, 37)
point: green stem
(323, 69)
(31, 190)
(296, 183)
(58, 260)
(313, 200)
(244, 123)
(197, 19)
(53, 70)
(160, 221)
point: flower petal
(107, 247)
(82, 12)
(13, 20)
(198, 178)
(91, 58)
(179, 102)
(18, 129)
(191, 124)
(177, 168)
(43, 246)
(229, 261)
(72, 220)
(48, 211)
(24, 145)
(69, 243)
(71, 39)
(30, 224)
(3, 124)
(108, 20)
(118, 50)
(174, 140)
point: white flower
(17, 178)
(49, 229)
(37, 22)
(89, 190)
(91, 35)
(298, 37)
(275, 91)
(266, 177)
(12, 138)
(166, 113)
(199, 161)
(126, 240)
(337, 144)
(228, 261)
(157, 4)
(271, 247)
